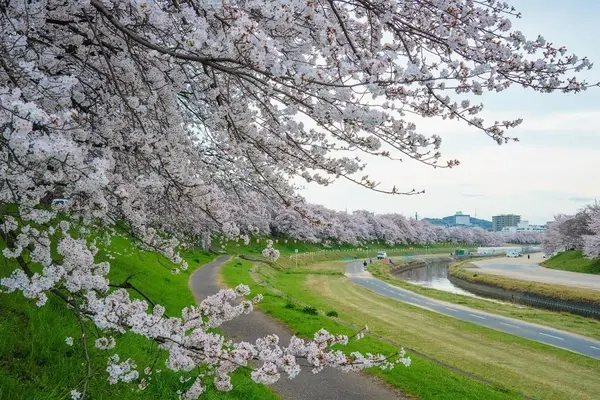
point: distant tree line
(316, 223)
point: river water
(433, 275)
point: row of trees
(319, 223)
(579, 231)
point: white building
(462, 219)
(487, 251)
(524, 227)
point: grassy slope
(309, 253)
(513, 364)
(560, 292)
(424, 378)
(564, 321)
(573, 261)
(35, 362)
(238, 247)
(517, 364)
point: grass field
(291, 261)
(561, 292)
(514, 366)
(36, 364)
(568, 322)
(309, 253)
(288, 246)
(573, 261)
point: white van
(381, 255)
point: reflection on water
(434, 275)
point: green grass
(424, 379)
(568, 322)
(35, 362)
(560, 292)
(292, 262)
(573, 261)
(513, 365)
(288, 249)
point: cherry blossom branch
(106, 13)
(85, 352)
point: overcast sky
(553, 169)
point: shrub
(290, 305)
(332, 313)
(310, 310)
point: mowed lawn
(573, 261)
(564, 321)
(532, 369)
(37, 364)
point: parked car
(381, 255)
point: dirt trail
(329, 384)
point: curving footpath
(329, 384)
(538, 333)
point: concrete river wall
(529, 299)
(419, 263)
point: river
(433, 275)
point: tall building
(501, 221)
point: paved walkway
(529, 270)
(329, 384)
(553, 337)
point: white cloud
(579, 121)
(524, 178)
(552, 170)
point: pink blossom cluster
(270, 252)
(183, 337)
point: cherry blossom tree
(554, 240)
(580, 231)
(290, 223)
(591, 245)
(170, 120)
(362, 226)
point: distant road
(538, 333)
(529, 270)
